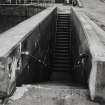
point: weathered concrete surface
(14, 42)
(92, 40)
(95, 9)
(50, 94)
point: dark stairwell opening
(65, 66)
(61, 62)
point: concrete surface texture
(95, 9)
(50, 94)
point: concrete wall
(91, 41)
(26, 37)
(80, 52)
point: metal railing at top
(42, 3)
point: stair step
(62, 69)
(63, 15)
(63, 28)
(61, 66)
(62, 33)
(61, 49)
(64, 20)
(63, 37)
(61, 62)
(56, 65)
(62, 46)
(64, 25)
(62, 41)
(61, 57)
(61, 22)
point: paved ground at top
(95, 9)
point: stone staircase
(62, 53)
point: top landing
(63, 9)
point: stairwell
(62, 54)
(59, 89)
